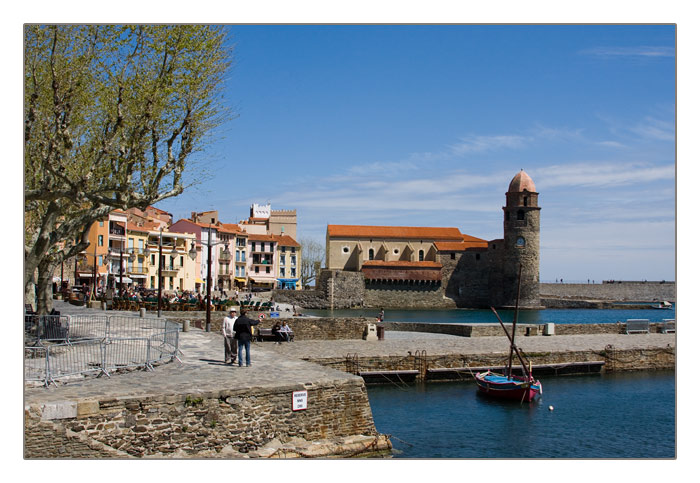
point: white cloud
(602, 174)
(480, 144)
(655, 129)
(637, 52)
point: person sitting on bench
(276, 332)
(285, 331)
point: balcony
(224, 257)
(137, 270)
(171, 268)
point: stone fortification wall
(309, 299)
(626, 291)
(466, 278)
(222, 422)
(401, 296)
(336, 289)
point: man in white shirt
(286, 331)
(230, 344)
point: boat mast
(515, 321)
(518, 352)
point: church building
(441, 267)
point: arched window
(421, 255)
(371, 253)
(521, 215)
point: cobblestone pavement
(277, 365)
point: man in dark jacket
(243, 327)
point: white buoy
(551, 408)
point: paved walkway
(202, 368)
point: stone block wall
(305, 328)
(626, 291)
(198, 424)
(615, 360)
(403, 295)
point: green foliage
(112, 114)
(193, 401)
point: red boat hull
(499, 386)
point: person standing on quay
(230, 343)
(244, 333)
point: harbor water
(624, 415)
(475, 316)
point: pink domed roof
(522, 182)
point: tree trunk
(30, 287)
(44, 292)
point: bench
(637, 326)
(668, 326)
(263, 334)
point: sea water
(623, 415)
(476, 316)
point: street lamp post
(193, 255)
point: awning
(137, 275)
(84, 275)
(266, 281)
(199, 280)
(239, 279)
(119, 279)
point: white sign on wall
(299, 400)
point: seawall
(349, 293)
(619, 291)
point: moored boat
(514, 387)
(663, 305)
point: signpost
(299, 400)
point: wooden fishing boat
(502, 386)
(508, 386)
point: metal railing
(69, 347)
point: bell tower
(521, 239)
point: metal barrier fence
(77, 346)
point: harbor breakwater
(552, 295)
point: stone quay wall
(192, 425)
(349, 291)
(615, 360)
(622, 291)
(304, 328)
(490, 330)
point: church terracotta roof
(521, 182)
(379, 232)
(467, 242)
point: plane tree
(113, 115)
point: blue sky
(425, 125)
